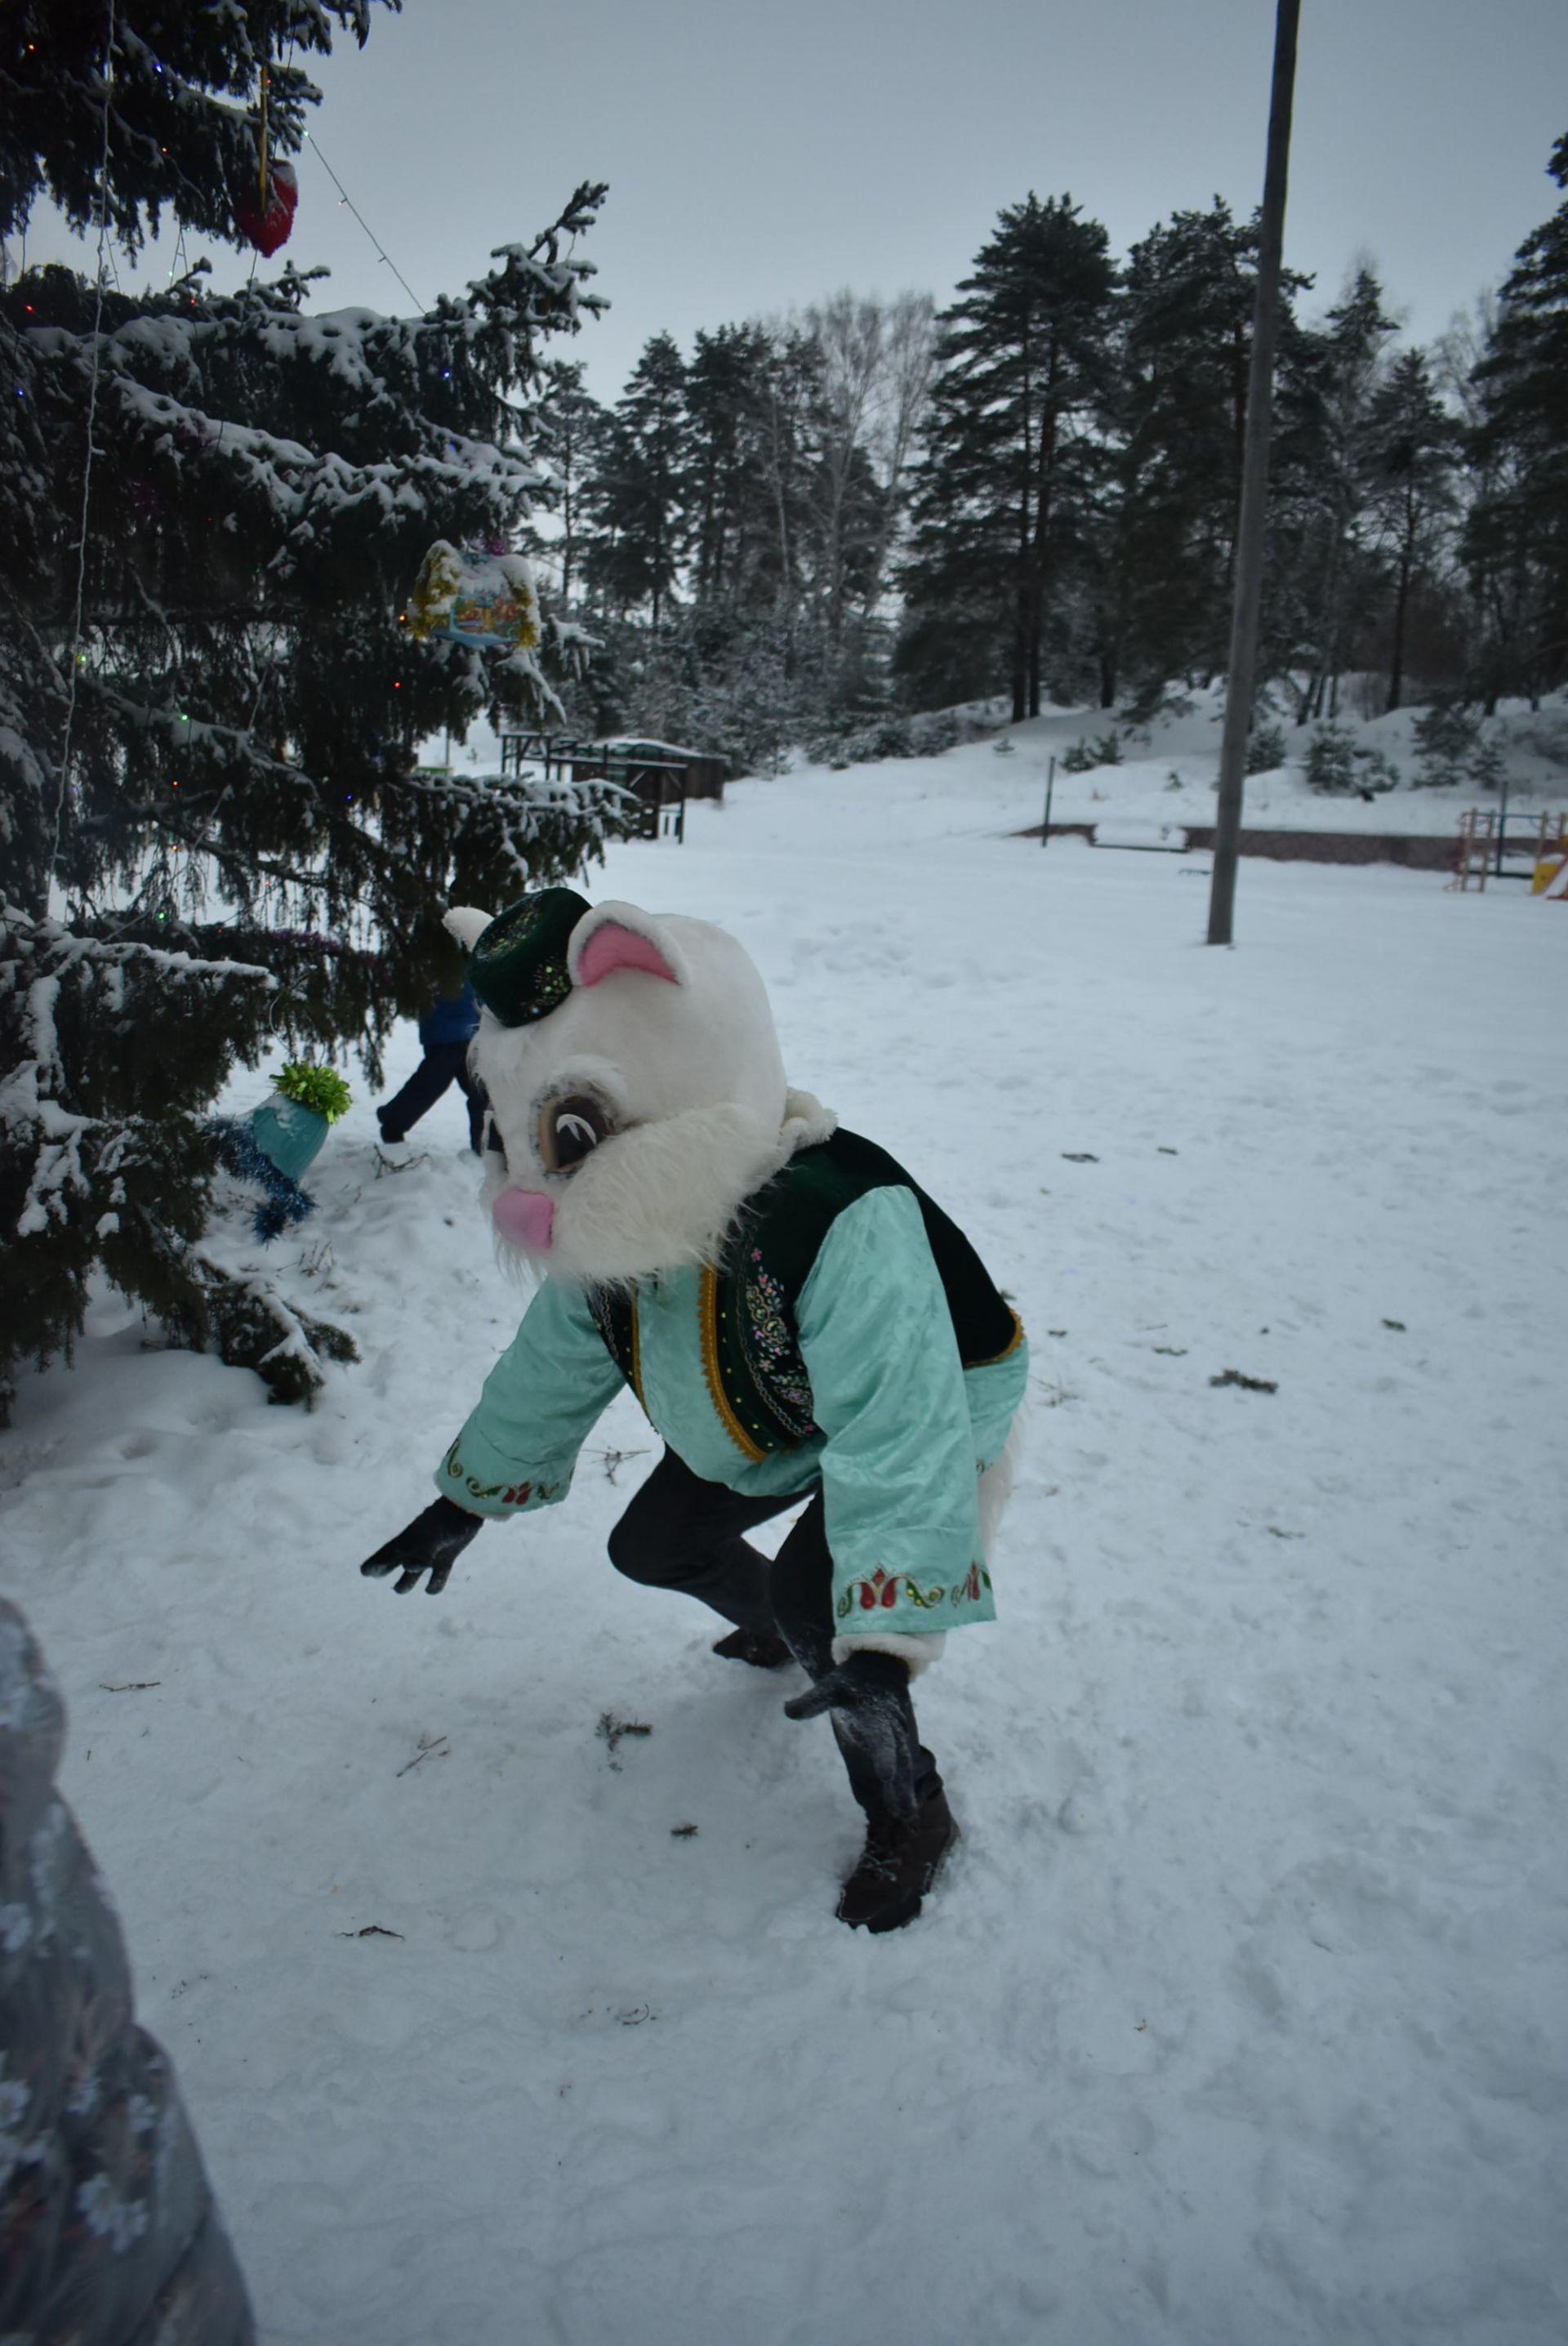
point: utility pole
(1242, 670)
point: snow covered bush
(1446, 739)
(1265, 749)
(1331, 764)
(1375, 770)
(114, 1046)
(925, 736)
(1083, 756)
(1337, 767)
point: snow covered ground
(1240, 2015)
(1169, 769)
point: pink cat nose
(524, 1218)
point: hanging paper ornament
(477, 598)
(268, 225)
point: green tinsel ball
(322, 1088)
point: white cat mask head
(636, 1084)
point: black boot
(759, 1646)
(898, 1866)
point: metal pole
(1050, 786)
(1242, 667)
(1501, 824)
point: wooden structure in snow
(1483, 843)
(662, 774)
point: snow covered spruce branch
(89, 1176)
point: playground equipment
(1550, 875)
(1483, 843)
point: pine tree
(725, 488)
(1176, 425)
(1006, 486)
(214, 832)
(1180, 419)
(1413, 452)
(639, 494)
(1516, 537)
(572, 428)
(1339, 575)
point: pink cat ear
(611, 945)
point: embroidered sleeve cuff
(903, 1603)
(484, 1493)
(919, 1652)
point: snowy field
(1239, 2017)
(1168, 769)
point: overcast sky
(760, 156)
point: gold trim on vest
(707, 1326)
(1007, 1349)
(637, 1355)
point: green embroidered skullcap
(518, 965)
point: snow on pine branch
(305, 493)
(37, 959)
(68, 948)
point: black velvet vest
(750, 1350)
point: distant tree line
(1033, 494)
(728, 530)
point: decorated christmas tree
(215, 833)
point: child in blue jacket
(445, 1032)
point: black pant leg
(680, 1532)
(478, 1100)
(889, 1767)
(438, 1066)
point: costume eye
(569, 1130)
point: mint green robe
(904, 1427)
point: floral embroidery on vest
(773, 1350)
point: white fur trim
(806, 1121)
(467, 923)
(996, 1482)
(655, 1197)
(918, 1652)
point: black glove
(868, 1695)
(861, 1685)
(432, 1543)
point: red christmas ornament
(269, 228)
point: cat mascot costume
(798, 1320)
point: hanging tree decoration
(475, 598)
(267, 219)
(267, 225)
